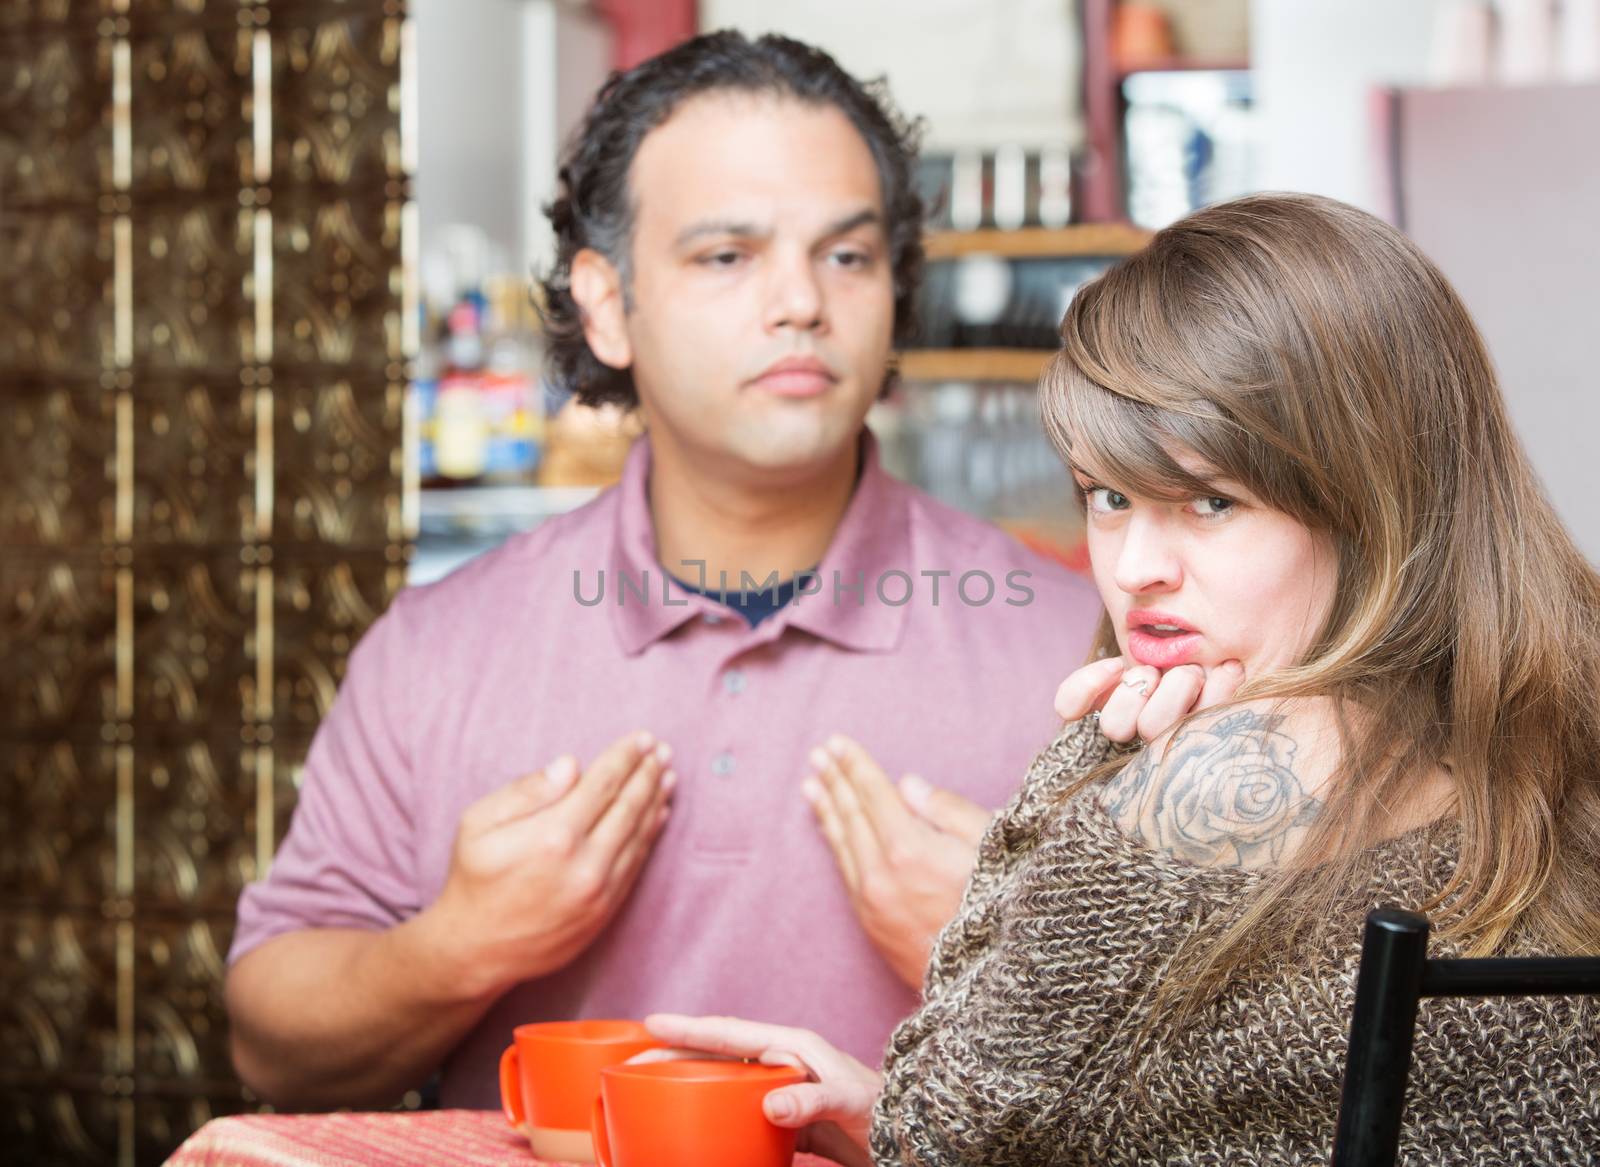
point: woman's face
(1205, 580)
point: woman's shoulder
(1054, 772)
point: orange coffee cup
(550, 1077)
(691, 1113)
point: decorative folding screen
(205, 319)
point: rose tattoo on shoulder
(1220, 795)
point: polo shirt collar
(873, 537)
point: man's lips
(1160, 639)
(796, 377)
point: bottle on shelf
(460, 419)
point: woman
(1358, 656)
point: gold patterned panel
(335, 263)
(194, 451)
(192, 294)
(203, 214)
(55, 144)
(58, 996)
(321, 606)
(195, 804)
(180, 1028)
(46, 16)
(337, 71)
(64, 793)
(191, 88)
(58, 619)
(64, 307)
(345, 485)
(65, 1128)
(194, 642)
(164, 1119)
(57, 472)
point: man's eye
(1104, 500)
(851, 259)
(720, 259)
(1215, 505)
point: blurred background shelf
(1084, 239)
(1182, 64)
(511, 501)
(975, 364)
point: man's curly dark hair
(593, 207)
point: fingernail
(669, 781)
(663, 753)
(836, 745)
(779, 1108)
(819, 758)
(562, 772)
(644, 740)
(812, 789)
(916, 792)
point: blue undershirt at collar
(755, 606)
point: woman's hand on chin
(1140, 701)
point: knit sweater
(1022, 1053)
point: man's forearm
(329, 1018)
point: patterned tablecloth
(434, 1138)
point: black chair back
(1394, 976)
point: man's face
(762, 298)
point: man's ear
(597, 289)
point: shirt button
(733, 682)
(722, 764)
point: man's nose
(795, 297)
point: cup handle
(597, 1131)
(511, 1087)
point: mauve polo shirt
(466, 683)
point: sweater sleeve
(930, 1052)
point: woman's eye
(1215, 505)
(851, 259)
(1104, 500)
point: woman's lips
(1161, 639)
(1163, 652)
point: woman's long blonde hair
(1310, 352)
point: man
(571, 779)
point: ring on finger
(1139, 685)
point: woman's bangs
(1128, 442)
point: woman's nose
(1147, 560)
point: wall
(1500, 187)
(470, 121)
(1315, 62)
(982, 72)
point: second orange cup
(691, 1113)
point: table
(428, 1138)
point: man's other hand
(905, 854)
